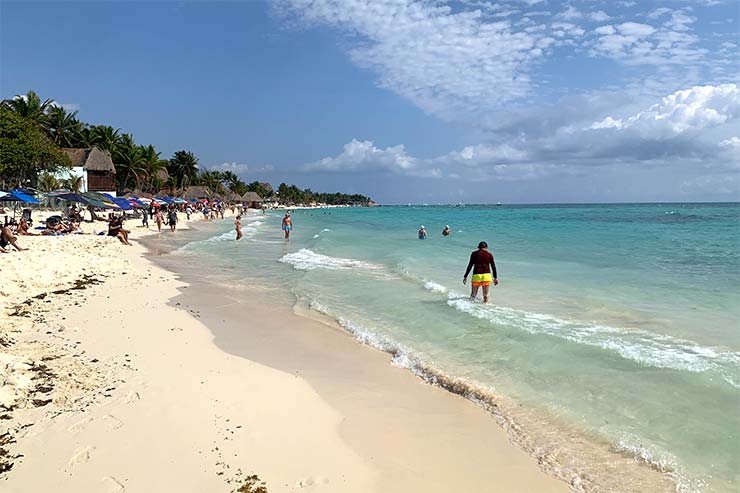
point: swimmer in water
(238, 226)
(446, 231)
(422, 233)
(483, 262)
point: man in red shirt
(481, 261)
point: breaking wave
(305, 259)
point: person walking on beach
(158, 219)
(422, 233)
(483, 265)
(172, 216)
(446, 231)
(145, 218)
(238, 225)
(287, 225)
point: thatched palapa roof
(197, 192)
(266, 186)
(91, 159)
(251, 197)
(163, 175)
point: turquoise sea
(612, 339)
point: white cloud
(362, 155)
(241, 169)
(732, 143)
(445, 61)
(680, 128)
(686, 110)
(635, 43)
(599, 16)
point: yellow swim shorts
(482, 279)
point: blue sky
(407, 101)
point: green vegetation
(290, 194)
(34, 132)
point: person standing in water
(484, 271)
(446, 231)
(287, 225)
(422, 233)
(238, 225)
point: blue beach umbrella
(120, 202)
(66, 195)
(18, 196)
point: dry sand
(118, 385)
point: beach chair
(26, 214)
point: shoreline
(125, 357)
(590, 465)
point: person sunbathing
(8, 238)
(24, 229)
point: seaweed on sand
(252, 484)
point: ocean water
(611, 347)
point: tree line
(33, 133)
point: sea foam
(645, 348)
(305, 259)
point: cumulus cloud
(677, 128)
(686, 110)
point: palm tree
(29, 106)
(184, 167)
(74, 183)
(105, 137)
(46, 182)
(212, 180)
(152, 164)
(62, 126)
(129, 161)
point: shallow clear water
(620, 321)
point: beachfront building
(95, 167)
(252, 200)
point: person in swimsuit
(484, 271)
(446, 231)
(287, 225)
(115, 229)
(238, 224)
(8, 238)
(158, 219)
(422, 233)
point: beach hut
(252, 200)
(197, 192)
(96, 168)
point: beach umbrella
(122, 203)
(99, 200)
(18, 196)
(136, 203)
(181, 201)
(66, 195)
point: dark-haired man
(484, 271)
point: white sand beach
(111, 381)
